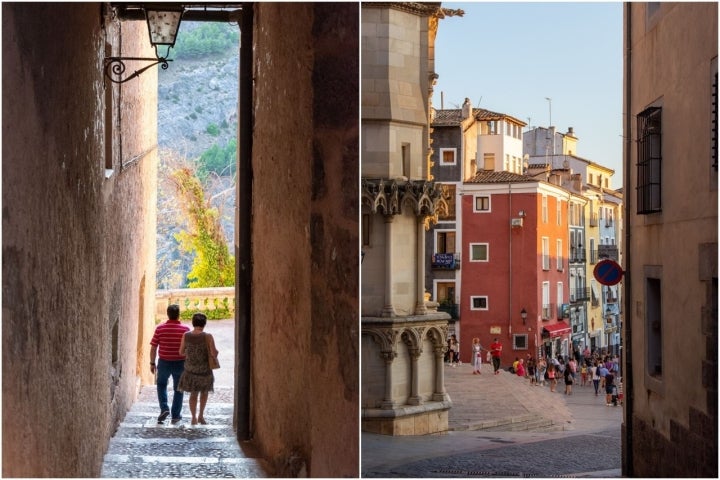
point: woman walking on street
(198, 378)
(569, 380)
(477, 356)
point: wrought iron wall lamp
(163, 24)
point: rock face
(194, 95)
(197, 108)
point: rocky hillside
(197, 108)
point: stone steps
(143, 448)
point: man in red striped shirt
(165, 344)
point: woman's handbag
(212, 360)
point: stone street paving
(501, 426)
(142, 448)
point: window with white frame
(558, 203)
(478, 302)
(448, 156)
(545, 209)
(479, 252)
(482, 203)
(559, 257)
(560, 294)
(546, 253)
(520, 341)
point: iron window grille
(649, 187)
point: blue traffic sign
(608, 272)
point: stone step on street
(503, 402)
(142, 448)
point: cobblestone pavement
(499, 428)
(141, 448)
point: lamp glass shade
(163, 26)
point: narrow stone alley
(143, 448)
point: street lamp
(163, 24)
(523, 315)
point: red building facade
(515, 276)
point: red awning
(556, 329)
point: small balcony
(577, 255)
(579, 295)
(549, 311)
(445, 261)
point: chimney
(466, 109)
(571, 131)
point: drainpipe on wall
(627, 442)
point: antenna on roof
(478, 102)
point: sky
(510, 57)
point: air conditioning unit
(516, 222)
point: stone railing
(195, 299)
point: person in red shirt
(496, 350)
(165, 344)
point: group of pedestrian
(184, 355)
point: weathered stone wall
(78, 247)
(305, 256)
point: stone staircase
(503, 402)
(141, 448)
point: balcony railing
(549, 311)
(577, 255)
(453, 309)
(579, 294)
(446, 261)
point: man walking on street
(495, 350)
(165, 344)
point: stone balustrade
(196, 300)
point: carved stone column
(412, 339)
(420, 308)
(388, 309)
(388, 402)
(439, 395)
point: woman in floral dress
(198, 377)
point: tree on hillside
(213, 265)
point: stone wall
(403, 390)
(78, 238)
(305, 258)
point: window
(559, 211)
(445, 292)
(649, 160)
(479, 252)
(520, 341)
(590, 178)
(448, 156)
(489, 161)
(545, 253)
(559, 256)
(492, 127)
(366, 229)
(444, 241)
(653, 326)
(593, 253)
(544, 209)
(482, 204)
(405, 151)
(478, 303)
(450, 199)
(560, 294)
